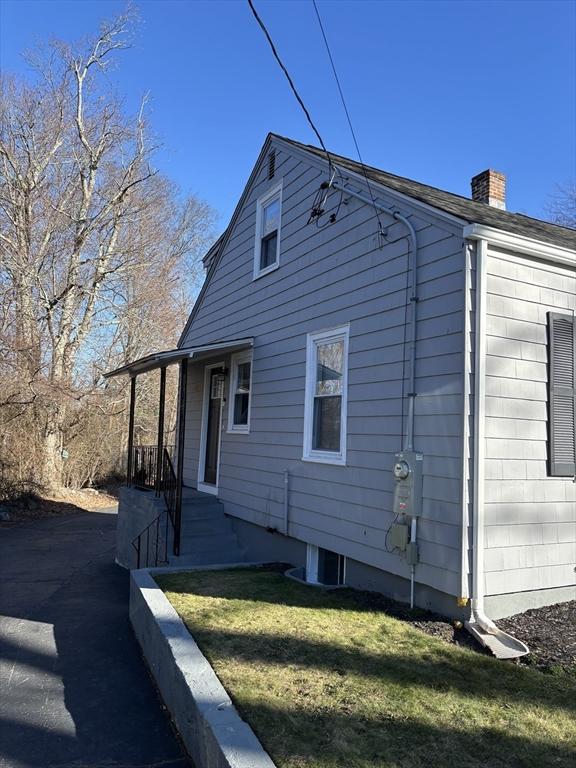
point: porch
(162, 519)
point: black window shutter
(562, 394)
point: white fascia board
(521, 244)
(219, 346)
(359, 178)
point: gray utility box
(408, 483)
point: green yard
(327, 681)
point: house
(377, 385)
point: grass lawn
(326, 680)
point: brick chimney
(490, 187)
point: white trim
(479, 426)
(202, 485)
(264, 200)
(521, 244)
(502, 645)
(465, 495)
(312, 563)
(341, 333)
(235, 360)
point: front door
(215, 387)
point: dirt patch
(68, 502)
(550, 633)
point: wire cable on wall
(291, 83)
(380, 227)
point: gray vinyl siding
(194, 400)
(330, 277)
(530, 517)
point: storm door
(214, 418)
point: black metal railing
(144, 466)
(156, 552)
(170, 488)
(149, 546)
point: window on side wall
(326, 396)
(268, 220)
(240, 392)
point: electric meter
(408, 483)
(401, 470)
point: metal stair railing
(169, 487)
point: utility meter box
(408, 483)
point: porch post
(160, 441)
(129, 467)
(180, 465)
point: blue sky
(438, 91)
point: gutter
(500, 643)
(521, 244)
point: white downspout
(499, 642)
(479, 439)
(465, 497)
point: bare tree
(562, 208)
(92, 238)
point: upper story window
(240, 392)
(326, 396)
(268, 220)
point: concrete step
(206, 526)
(208, 558)
(209, 542)
(201, 511)
(197, 497)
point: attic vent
(271, 164)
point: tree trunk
(51, 462)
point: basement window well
(325, 567)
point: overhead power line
(347, 114)
(292, 86)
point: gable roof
(456, 205)
(212, 257)
(463, 208)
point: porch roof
(167, 357)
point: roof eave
(162, 359)
(521, 244)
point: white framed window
(325, 407)
(240, 392)
(268, 221)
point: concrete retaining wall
(211, 728)
(136, 509)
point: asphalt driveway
(74, 691)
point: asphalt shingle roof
(462, 207)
